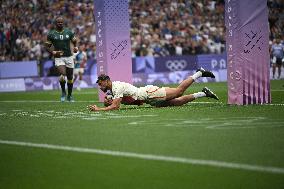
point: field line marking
(278, 90)
(212, 163)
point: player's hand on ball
(75, 49)
(93, 108)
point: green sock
(62, 85)
(70, 87)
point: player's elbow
(113, 107)
(116, 107)
(47, 45)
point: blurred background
(174, 33)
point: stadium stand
(158, 28)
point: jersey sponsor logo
(67, 36)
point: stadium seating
(158, 28)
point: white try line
(211, 163)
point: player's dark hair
(59, 16)
(103, 77)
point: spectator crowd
(24, 25)
(158, 27)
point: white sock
(196, 75)
(79, 83)
(199, 95)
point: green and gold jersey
(61, 40)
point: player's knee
(61, 78)
(179, 92)
(70, 78)
(70, 81)
(61, 70)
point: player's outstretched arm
(114, 106)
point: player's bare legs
(62, 70)
(188, 98)
(172, 93)
(69, 74)
(80, 76)
(273, 70)
(80, 80)
(279, 70)
(178, 101)
(75, 77)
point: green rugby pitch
(205, 144)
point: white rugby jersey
(121, 89)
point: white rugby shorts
(65, 61)
(155, 93)
(78, 70)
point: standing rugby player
(60, 39)
(80, 64)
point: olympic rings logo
(176, 65)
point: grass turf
(252, 135)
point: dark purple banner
(146, 70)
(164, 64)
(155, 65)
(49, 69)
(51, 83)
(212, 61)
(18, 69)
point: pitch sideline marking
(212, 163)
